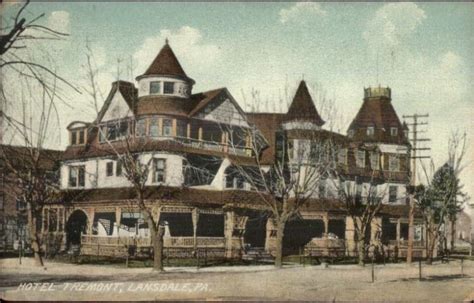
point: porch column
(326, 224)
(398, 231)
(118, 215)
(350, 234)
(200, 133)
(90, 218)
(57, 219)
(188, 130)
(228, 232)
(195, 218)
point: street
(393, 282)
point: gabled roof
(128, 92)
(166, 63)
(302, 107)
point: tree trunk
(431, 247)
(453, 234)
(34, 237)
(157, 238)
(279, 244)
(361, 251)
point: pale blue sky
(423, 51)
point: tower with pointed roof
(165, 77)
(302, 113)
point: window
(154, 127)
(73, 137)
(181, 128)
(167, 127)
(154, 87)
(370, 131)
(342, 156)
(360, 160)
(168, 88)
(393, 163)
(123, 129)
(76, 176)
(112, 132)
(393, 131)
(109, 169)
(392, 194)
(53, 219)
(406, 133)
(374, 160)
(358, 192)
(20, 205)
(159, 170)
(118, 168)
(140, 128)
(102, 133)
(81, 137)
(239, 183)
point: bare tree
(363, 202)
(285, 186)
(31, 167)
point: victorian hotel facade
(193, 143)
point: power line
(414, 156)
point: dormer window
(78, 137)
(393, 131)
(370, 131)
(168, 88)
(155, 87)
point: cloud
(188, 44)
(393, 23)
(59, 21)
(301, 10)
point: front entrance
(75, 226)
(255, 230)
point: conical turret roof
(302, 107)
(166, 63)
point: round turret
(165, 77)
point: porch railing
(404, 243)
(144, 242)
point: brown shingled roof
(268, 124)
(302, 107)
(379, 113)
(24, 157)
(166, 63)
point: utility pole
(415, 139)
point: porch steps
(257, 254)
